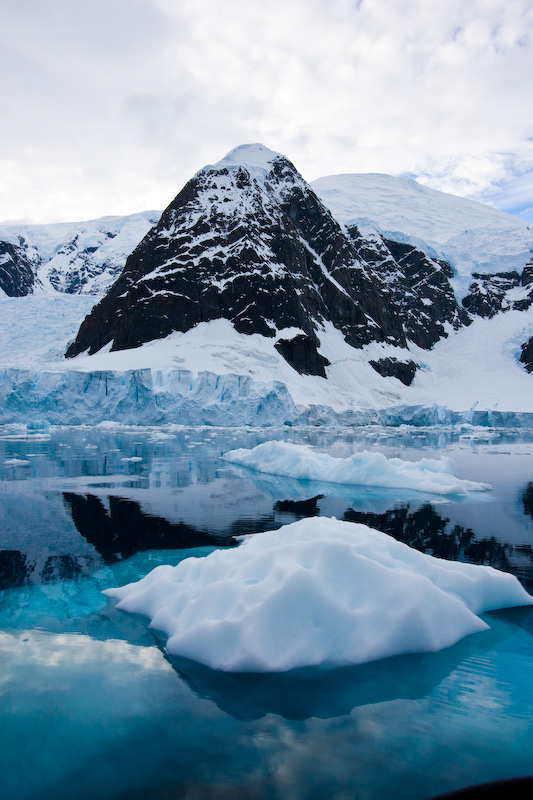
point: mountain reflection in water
(116, 528)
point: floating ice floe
(360, 469)
(316, 592)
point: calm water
(90, 706)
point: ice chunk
(39, 426)
(360, 469)
(316, 592)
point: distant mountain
(76, 258)
(248, 240)
(490, 251)
(470, 236)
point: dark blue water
(90, 705)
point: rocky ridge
(248, 240)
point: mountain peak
(256, 158)
(248, 240)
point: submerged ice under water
(92, 706)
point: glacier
(142, 397)
(318, 592)
(181, 396)
(213, 375)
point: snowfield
(81, 257)
(316, 592)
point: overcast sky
(110, 106)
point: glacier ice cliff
(179, 396)
(142, 396)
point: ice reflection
(527, 499)
(77, 605)
(31, 650)
(109, 719)
(367, 498)
(301, 694)
(85, 718)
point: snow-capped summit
(262, 165)
(256, 158)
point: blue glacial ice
(180, 396)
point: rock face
(421, 294)
(249, 241)
(471, 236)
(502, 291)
(393, 368)
(16, 271)
(526, 356)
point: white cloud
(109, 107)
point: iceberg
(318, 592)
(361, 469)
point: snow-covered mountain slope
(72, 257)
(250, 304)
(214, 375)
(247, 240)
(471, 236)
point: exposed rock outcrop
(393, 368)
(16, 270)
(249, 241)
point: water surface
(90, 704)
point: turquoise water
(90, 705)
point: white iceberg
(316, 592)
(361, 469)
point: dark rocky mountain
(526, 356)
(492, 294)
(249, 241)
(394, 368)
(420, 289)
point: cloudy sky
(110, 106)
